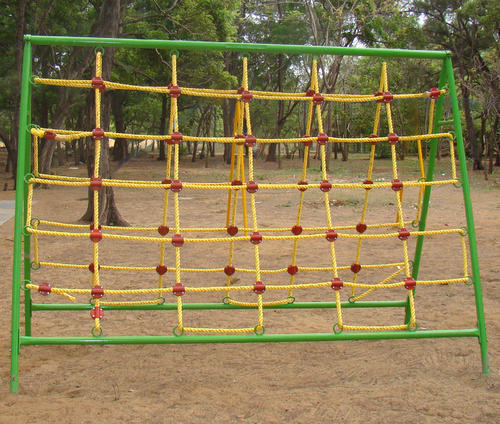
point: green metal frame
(24, 167)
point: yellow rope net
(242, 188)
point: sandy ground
(411, 381)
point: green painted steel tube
(18, 218)
(238, 47)
(213, 306)
(251, 338)
(469, 216)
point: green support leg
(469, 217)
(19, 217)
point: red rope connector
(161, 269)
(378, 94)
(92, 267)
(410, 283)
(297, 230)
(397, 184)
(97, 133)
(292, 269)
(355, 268)
(49, 135)
(96, 312)
(236, 183)
(252, 187)
(256, 238)
(393, 138)
(163, 230)
(95, 183)
(310, 92)
(325, 186)
(322, 139)
(337, 283)
(96, 236)
(175, 138)
(167, 181)
(177, 240)
(176, 186)
(91, 226)
(259, 287)
(367, 182)
(361, 228)
(307, 143)
(97, 292)
(331, 235)
(302, 183)
(246, 96)
(44, 289)
(250, 140)
(240, 137)
(318, 99)
(403, 234)
(374, 143)
(178, 289)
(434, 93)
(232, 230)
(98, 84)
(175, 91)
(229, 270)
(388, 97)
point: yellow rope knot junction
(242, 226)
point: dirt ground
(410, 381)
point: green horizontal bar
(211, 306)
(252, 338)
(448, 122)
(239, 47)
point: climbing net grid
(243, 187)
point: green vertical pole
(429, 177)
(18, 217)
(469, 217)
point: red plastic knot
(97, 134)
(318, 99)
(256, 238)
(367, 182)
(163, 230)
(91, 226)
(236, 183)
(229, 270)
(96, 236)
(434, 93)
(355, 268)
(44, 289)
(361, 228)
(246, 96)
(410, 283)
(252, 187)
(337, 283)
(307, 143)
(97, 292)
(297, 230)
(161, 269)
(403, 234)
(292, 269)
(175, 91)
(49, 135)
(331, 235)
(240, 90)
(176, 186)
(325, 186)
(178, 289)
(310, 92)
(92, 268)
(259, 287)
(393, 138)
(373, 136)
(302, 183)
(397, 185)
(378, 94)
(177, 240)
(322, 139)
(250, 140)
(167, 181)
(95, 183)
(98, 83)
(96, 312)
(175, 138)
(240, 136)
(232, 230)
(388, 97)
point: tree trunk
(476, 152)
(163, 124)
(120, 149)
